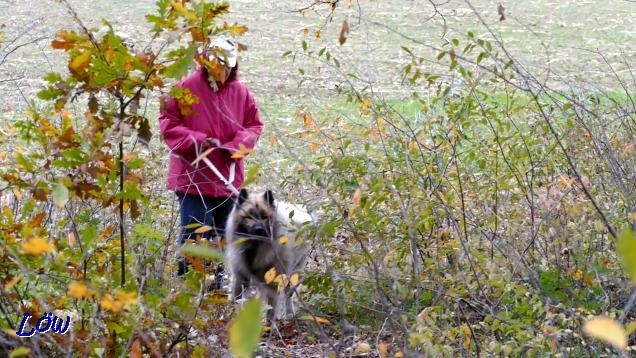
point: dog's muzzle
(259, 230)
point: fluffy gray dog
(262, 234)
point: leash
(203, 157)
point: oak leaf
(36, 246)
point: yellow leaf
(20, 352)
(383, 350)
(126, 298)
(242, 152)
(606, 330)
(18, 194)
(203, 229)
(37, 246)
(180, 9)
(316, 319)
(282, 282)
(294, 279)
(399, 355)
(466, 342)
(109, 304)
(366, 104)
(270, 275)
(9, 332)
(108, 231)
(578, 274)
(79, 290)
(122, 299)
(283, 240)
(80, 62)
(356, 197)
(235, 30)
(314, 147)
(362, 348)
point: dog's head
(255, 215)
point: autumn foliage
(73, 189)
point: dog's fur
(253, 233)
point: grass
(373, 47)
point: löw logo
(45, 323)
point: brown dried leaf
(344, 32)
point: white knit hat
(225, 50)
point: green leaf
(202, 251)
(60, 194)
(52, 77)
(103, 73)
(626, 249)
(24, 162)
(50, 93)
(181, 66)
(114, 327)
(481, 56)
(252, 174)
(20, 352)
(245, 330)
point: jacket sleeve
(252, 128)
(181, 139)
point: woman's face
(226, 73)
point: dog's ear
(243, 195)
(269, 198)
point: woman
(221, 116)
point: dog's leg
(272, 301)
(239, 284)
(290, 312)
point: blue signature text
(45, 323)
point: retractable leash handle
(203, 157)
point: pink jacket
(229, 116)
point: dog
(262, 234)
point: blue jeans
(194, 208)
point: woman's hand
(216, 144)
(211, 143)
